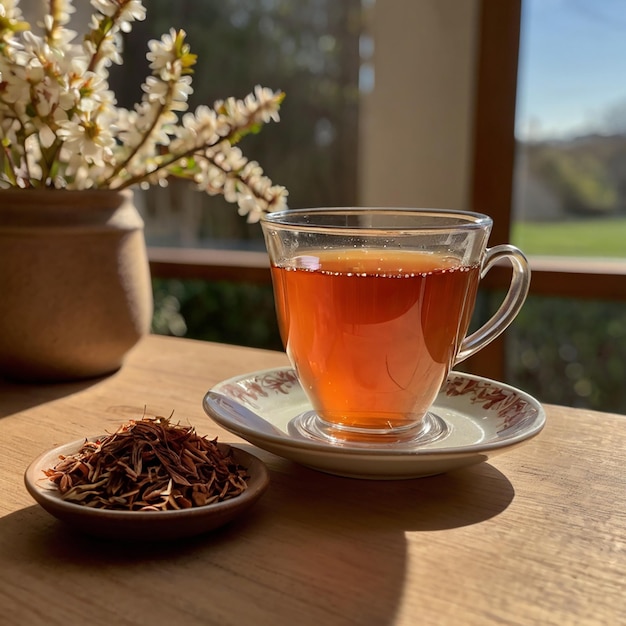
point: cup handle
(511, 305)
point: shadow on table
(18, 397)
(459, 498)
(316, 549)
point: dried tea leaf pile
(149, 465)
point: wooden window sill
(209, 264)
(586, 278)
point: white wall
(416, 126)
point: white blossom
(162, 53)
(129, 10)
(55, 100)
(10, 10)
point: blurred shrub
(570, 352)
(226, 312)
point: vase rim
(46, 190)
(40, 209)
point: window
(569, 201)
(570, 171)
(414, 103)
(439, 131)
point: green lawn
(601, 238)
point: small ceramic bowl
(143, 525)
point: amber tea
(373, 332)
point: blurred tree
(579, 178)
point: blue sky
(572, 65)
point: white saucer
(484, 418)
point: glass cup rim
(291, 219)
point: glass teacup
(374, 306)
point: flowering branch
(60, 126)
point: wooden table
(537, 536)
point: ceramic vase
(75, 289)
